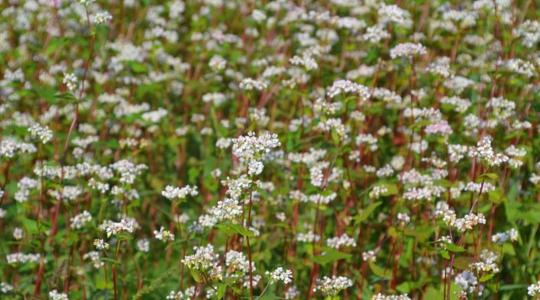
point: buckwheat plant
(278, 149)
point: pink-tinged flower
(52, 3)
(440, 127)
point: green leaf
(66, 96)
(54, 45)
(46, 93)
(221, 289)
(496, 196)
(454, 248)
(137, 67)
(231, 229)
(30, 226)
(110, 260)
(405, 287)
(197, 276)
(486, 277)
(366, 212)
(330, 255)
(103, 284)
(379, 271)
(509, 249)
(419, 124)
(421, 233)
(492, 176)
(509, 287)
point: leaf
(222, 288)
(230, 229)
(509, 249)
(111, 260)
(496, 196)
(103, 284)
(454, 248)
(46, 93)
(269, 295)
(509, 287)
(462, 262)
(366, 212)
(405, 287)
(66, 96)
(421, 233)
(392, 231)
(30, 226)
(419, 124)
(433, 293)
(196, 275)
(137, 67)
(330, 255)
(486, 277)
(531, 215)
(379, 271)
(492, 176)
(511, 209)
(391, 189)
(444, 254)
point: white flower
(487, 263)
(369, 256)
(390, 297)
(341, 241)
(204, 260)
(18, 233)
(467, 281)
(394, 14)
(529, 31)
(71, 81)
(280, 274)
(252, 149)
(407, 50)
(164, 235)
(41, 132)
(403, 218)
(255, 167)
(534, 289)
(126, 224)
(95, 258)
(9, 147)
(19, 257)
(331, 286)
(503, 237)
(217, 63)
(5, 288)
(101, 17)
(236, 262)
(54, 295)
(347, 86)
(308, 237)
(101, 244)
(172, 192)
(80, 220)
(249, 84)
(305, 60)
(143, 245)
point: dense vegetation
(231, 149)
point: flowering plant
(243, 149)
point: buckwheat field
(261, 150)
